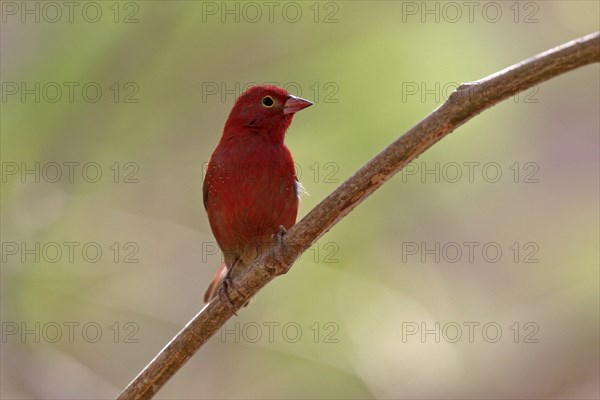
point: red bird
(250, 188)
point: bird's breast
(251, 191)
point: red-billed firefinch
(250, 188)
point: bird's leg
(228, 282)
(223, 293)
(279, 267)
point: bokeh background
(472, 274)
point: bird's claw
(279, 267)
(279, 242)
(224, 296)
(280, 234)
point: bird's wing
(205, 191)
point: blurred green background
(110, 110)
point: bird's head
(263, 109)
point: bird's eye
(267, 101)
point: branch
(468, 100)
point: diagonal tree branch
(468, 100)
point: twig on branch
(468, 100)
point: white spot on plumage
(299, 189)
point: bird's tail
(216, 282)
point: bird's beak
(294, 104)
